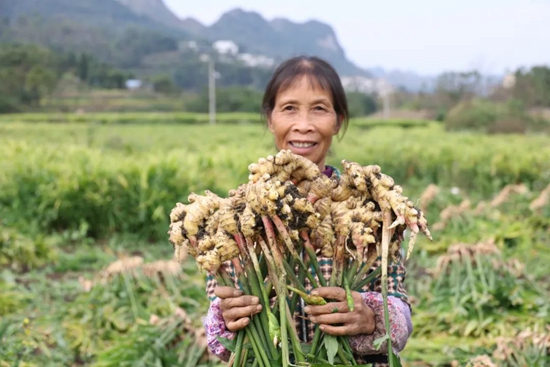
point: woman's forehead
(311, 82)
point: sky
(424, 36)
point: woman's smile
(304, 120)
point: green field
(78, 192)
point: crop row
(126, 178)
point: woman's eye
(288, 108)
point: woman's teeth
(302, 145)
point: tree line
(28, 73)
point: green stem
(367, 280)
(293, 280)
(262, 322)
(365, 268)
(313, 258)
(290, 246)
(386, 237)
(347, 347)
(260, 350)
(223, 278)
(298, 354)
(342, 355)
(351, 272)
(245, 356)
(295, 296)
(282, 323)
(316, 339)
(239, 349)
(256, 284)
(251, 332)
(317, 359)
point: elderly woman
(305, 105)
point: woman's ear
(270, 124)
(338, 125)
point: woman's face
(304, 121)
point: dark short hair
(318, 71)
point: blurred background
(111, 111)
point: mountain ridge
(100, 25)
(278, 38)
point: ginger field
(86, 270)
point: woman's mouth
(302, 145)
(301, 148)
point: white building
(509, 81)
(226, 47)
(133, 84)
(366, 85)
(257, 60)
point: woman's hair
(319, 72)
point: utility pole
(212, 90)
(386, 91)
(386, 97)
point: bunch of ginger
(288, 207)
(337, 216)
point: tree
(533, 87)
(361, 104)
(164, 84)
(39, 82)
(229, 99)
(454, 87)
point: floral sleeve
(400, 321)
(215, 326)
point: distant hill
(107, 29)
(145, 36)
(278, 39)
(155, 10)
(105, 14)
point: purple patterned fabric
(215, 326)
(400, 321)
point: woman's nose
(303, 122)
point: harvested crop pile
(277, 222)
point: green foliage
(163, 84)
(120, 305)
(21, 252)
(229, 99)
(532, 86)
(30, 73)
(106, 174)
(135, 43)
(11, 300)
(155, 345)
(360, 104)
(27, 73)
(454, 87)
(479, 291)
(489, 117)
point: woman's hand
(236, 307)
(335, 318)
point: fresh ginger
(292, 192)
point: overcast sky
(425, 36)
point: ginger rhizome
(272, 228)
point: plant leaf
(378, 342)
(395, 361)
(331, 344)
(228, 343)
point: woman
(305, 105)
